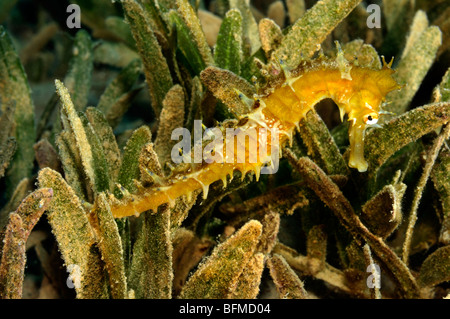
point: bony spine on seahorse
(357, 91)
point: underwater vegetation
(348, 195)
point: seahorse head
(364, 108)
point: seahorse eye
(371, 118)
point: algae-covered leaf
(298, 262)
(7, 142)
(187, 45)
(194, 110)
(181, 210)
(383, 212)
(111, 248)
(431, 156)
(75, 237)
(15, 90)
(88, 144)
(156, 70)
(107, 141)
(222, 83)
(250, 279)
(7, 151)
(188, 250)
(228, 50)
(270, 34)
(190, 19)
(271, 226)
(32, 208)
(398, 15)
(46, 155)
(289, 286)
(215, 194)
(380, 144)
(99, 166)
(321, 145)
(316, 248)
(394, 12)
(312, 28)
(155, 11)
(436, 268)
(332, 196)
(123, 103)
(78, 79)
(249, 26)
(441, 169)
(419, 24)
(12, 251)
(282, 200)
(71, 163)
(120, 86)
(422, 57)
(444, 87)
(129, 169)
(149, 165)
(172, 117)
(12, 263)
(439, 176)
(364, 55)
(218, 275)
(24, 187)
(210, 25)
(151, 266)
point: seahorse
(357, 91)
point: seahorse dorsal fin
(343, 64)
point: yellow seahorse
(357, 91)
